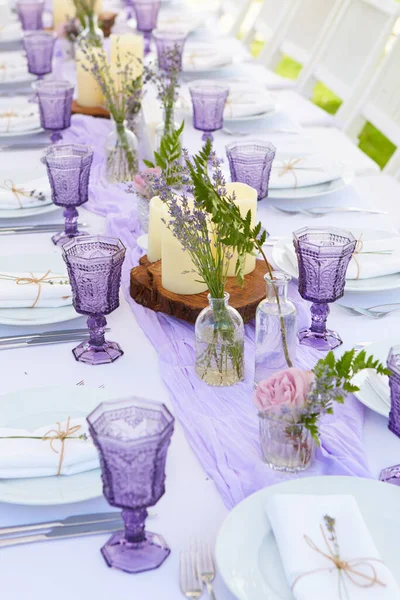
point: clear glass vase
(91, 35)
(122, 150)
(285, 446)
(144, 212)
(167, 126)
(274, 342)
(219, 338)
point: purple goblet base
(329, 340)
(59, 239)
(94, 354)
(135, 557)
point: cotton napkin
(9, 31)
(20, 458)
(19, 118)
(31, 194)
(292, 516)
(13, 67)
(243, 102)
(380, 385)
(204, 58)
(369, 260)
(32, 289)
(301, 171)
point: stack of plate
(14, 68)
(19, 117)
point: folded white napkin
(32, 289)
(13, 67)
(243, 102)
(301, 171)
(30, 194)
(380, 385)
(19, 118)
(293, 516)
(204, 58)
(369, 260)
(9, 31)
(35, 457)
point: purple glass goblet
(146, 12)
(68, 169)
(94, 266)
(132, 437)
(39, 47)
(30, 13)
(250, 162)
(323, 255)
(55, 101)
(393, 364)
(208, 101)
(169, 43)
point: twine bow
(346, 568)
(46, 278)
(9, 185)
(290, 166)
(8, 115)
(58, 434)
(359, 250)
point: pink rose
(287, 388)
(142, 182)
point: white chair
(239, 17)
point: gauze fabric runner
(221, 424)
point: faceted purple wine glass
(393, 364)
(208, 101)
(167, 42)
(68, 169)
(323, 255)
(132, 437)
(94, 266)
(39, 47)
(55, 101)
(30, 13)
(250, 162)
(146, 12)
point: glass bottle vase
(219, 341)
(166, 127)
(122, 154)
(276, 328)
(91, 35)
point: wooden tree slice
(147, 290)
(93, 111)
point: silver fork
(189, 580)
(372, 311)
(327, 210)
(205, 566)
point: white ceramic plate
(367, 395)
(246, 552)
(30, 409)
(19, 60)
(12, 134)
(314, 191)
(375, 284)
(35, 316)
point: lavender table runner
(221, 424)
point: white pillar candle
(245, 199)
(124, 47)
(98, 7)
(158, 212)
(178, 274)
(62, 11)
(88, 90)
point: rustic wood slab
(92, 111)
(147, 290)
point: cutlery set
(197, 570)
(375, 312)
(36, 228)
(41, 339)
(322, 211)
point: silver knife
(59, 533)
(31, 336)
(69, 521)
(345, 209)
(42, 342)
(19, 146)
(35, 228)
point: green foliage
(170, 153)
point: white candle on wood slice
(245, 199)
(178, 274)
(63, 10)
(88, 90)
(124, 47)
(158, 212)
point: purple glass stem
(147, 42)
(134, 521)
(55, 137)
(393, 364)
(146, 12)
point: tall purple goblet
(323, 255)
(167, 43)
(250, 162)
(132, 437)
(146, 12)
(68, 169)
(55, 101)
(208, 101)
(30, 13)
(393, 364)
(39, 47)
(94, 266)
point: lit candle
(245, 199)
(88, 90)
(158, 212)
(178, 274)
(62, 11)
(124, 47)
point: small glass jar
(276, 323)
(167, 126)
(143, 212)
(285, 446)
(122, 154)
(91, 35)
(219, 338)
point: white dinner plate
(12, 134)
(246, 552)
(9, 76)
(314, 191)
(367, 395)
(33, 408)
(39, 263)
(224, 59)
(375, 284)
